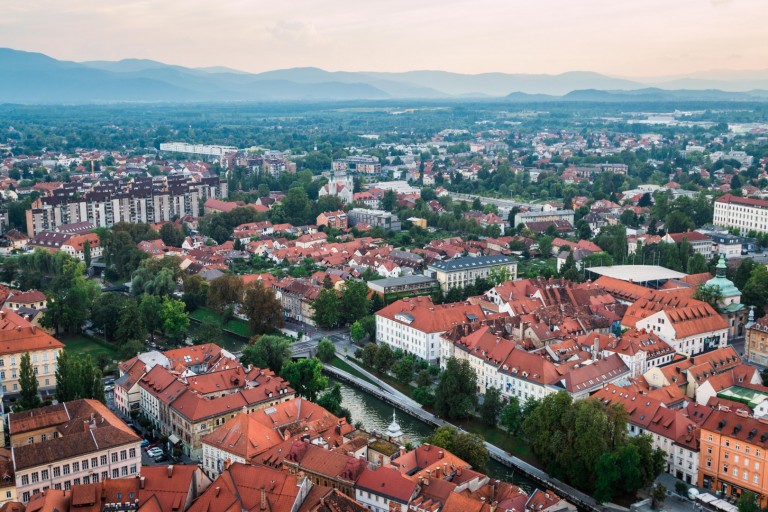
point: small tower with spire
(393, 431)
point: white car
(155, 452)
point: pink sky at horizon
(627, 38)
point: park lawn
(80, 344)
(235, 325)
(500, 438)
(344, 366)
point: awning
(706, 498)
(173, 439)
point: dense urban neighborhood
(573, 295)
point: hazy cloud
(546, 36)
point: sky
(628, 38)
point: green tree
(468, 447)
(658, 495)
(385, 358)
(711, 294)
(130, 327)
(105, 310)
(747, 502)
(368, 355)
(491, 406)
(224, 291)
(209, 331)
(697, 264)
(755, 292)
(306, 377)
(87, 254)
(78, 377)
(403, 370)
(297, 206)
(511, 416)
(150, 309)
(263, 309)
(175, 319)
(356, 331)
(326, 350)
(388, 200)
(354, 301)
(327, 309)
(331, 402)
(743, 272)
(455, 396)
(28, 398)
(267, 351)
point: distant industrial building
(374, 218)
(196, 149)
(364, 164)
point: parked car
(145, 443)
(150, 446)
(161, 458)
(154, 452)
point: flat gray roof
(472, 262)
(399, 281)
(637, 273)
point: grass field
(80, 344)
(235, 325)
(344, 366)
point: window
(94, 462)
(25, 497)
(44, 474)
(709, 438)
(76, 481)
(66, 469)
(737, 446)
(745, 475)
(123, 454)
(95, 478)
(104, 475)
(115, 473)
(75, 467)
(67, 485)
(24, 479)
(114, 457)
(124, 470)
(103, 460)
(132, 452)
(56, 471)
(133, 469)
(727, 442)
(85, 464)
(86, 480)
(725, 468)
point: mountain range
(34, 78)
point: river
(377, 415)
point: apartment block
(146, 200)
(71, 443)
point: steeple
(721, 267)
(393, 431)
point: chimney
(170, 471)
(402, 451)
(426, 447)
(263, 502)
(445, 469)
(141, 482)
(218, 490)
(86, 425)
(33, 329)
(440, 454)
(493, 506)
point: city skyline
(624, 39)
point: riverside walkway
(392, 396)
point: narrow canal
(377, 415)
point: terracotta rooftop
(18, 335)
(422, 314)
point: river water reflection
(377, 415)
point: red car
(150, 446)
